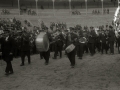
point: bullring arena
(98, 72)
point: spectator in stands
(93, 12)
(98, 12)
(104, 11)
(107, 11)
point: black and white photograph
(59, 44)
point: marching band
(75, 41)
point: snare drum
(70, 48)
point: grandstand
(62, 12)
(59, 4)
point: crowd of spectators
(106, 11)
(27, 23)
(58, 25)
(31, 12)
(28, 12)
(76, 12)
(95, 12)
(5, 12)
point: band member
(46, 54)
(91, 41)
(59, 45)
(85, 34)
(71, 39)
(25, 48)
(111, 39)
(7, 52)
(98, 44)
(82, 41)
(118, 41)
(103, 40)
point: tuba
(42, 42)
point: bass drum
(42, 42)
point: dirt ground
(98, 72)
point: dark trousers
(111, 47)
(15, 52)
(105, 47)
(98, 46)
(118, 47)
(80, 50)
(58, 49)
(92, 48)
(116, 43)
(23, 54)
(8, 67)
(46, 56)
(86, 47)
(71, 57)
(41, 55)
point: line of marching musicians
(80, 42)
(74, 42)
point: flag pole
(70, 6)
(36, 7)
(102, 6)
(86, 6)
(53, 7)
(19, 6)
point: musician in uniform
(111, 39)
(15, 52)
(46, 54)
(82, 41)
(98, 43)
(25, 48)
(91, 41)
(71, 39)
(103, 40)
(7, 51)
(118, 41)
(85, 34)
(59, 45)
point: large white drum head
(42, 42)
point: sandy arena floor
(98, 72)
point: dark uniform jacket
(92, 37)
(103, 38)
(111, 36)
(7, 47)
(25, 43)
(71, 39)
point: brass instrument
(82, 40)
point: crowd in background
(33, 12)
(97, 12)
(5, 12)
